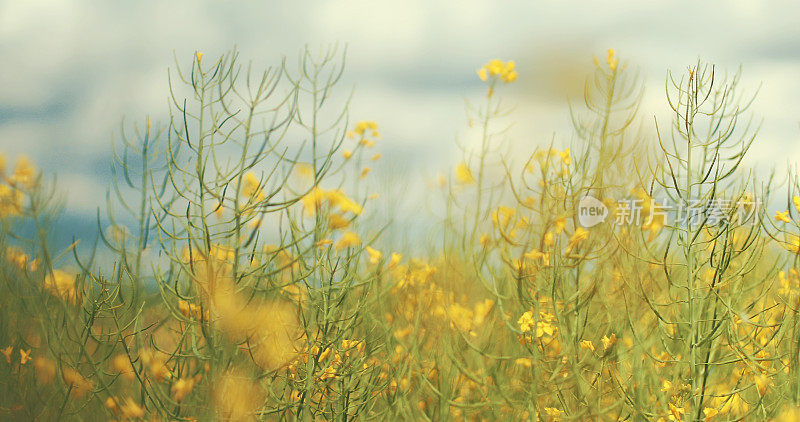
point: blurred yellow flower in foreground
(78, 383)
(62, 284)
(182, 387)
(237, 396)
(10, 201)
(374, 255)
(318, 197)
(131, 410)
(45, 369)
(348, 240)
(252, 187)
(464, 175)
(24, 173)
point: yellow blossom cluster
(335, 199)
(539, 327)
(366, 132)
(504, 71)
(12, 187)
(551, 159)
(21, 260)
(62, 284)
(252, 188)
(464, 174)
(611, 60)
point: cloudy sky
(72, 70)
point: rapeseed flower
(464, 175)
(504, 71)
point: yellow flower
(536, 255)
(24, 356)
(565, 157)
(395, 259)
(710, 412)
(554, 413)
(24, 173)
(526, 322)
(121, 364)
(762, 382)
(304, 170)
(612, 60)
(498, 69)
(587, 344)
(783, 216)
(501, 217)
(348, 240)
(548, 239)
(374, 255)
(74, 379)
(182, 387)
(580, 235)
(560, 224)
(608, 342)
(17, 257)
(365, 172)
(789, 414)
(131, 410)
(482, 309)
(252, 187)
(676, 412)
(793, 244)
(154, 362)
(338, 221)
(62, 284)
(464, 175)
(323, 243)
(376, 157)
(335, 198)
(189, 310)
(237, 397)
(7, 353)
(10, 201)
(219, 210)
(199, 56)
(544, 328)
(526, 362)
(347, 154)
(45, 370)
(731, 404)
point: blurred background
(73, 70)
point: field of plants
(242, 270)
